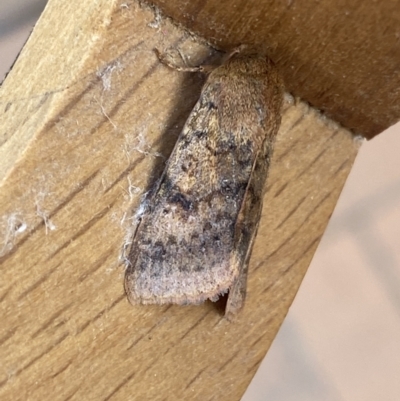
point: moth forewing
(195, 236)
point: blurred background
(341, 338)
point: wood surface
(88, 118)
(342, 56)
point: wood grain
(85, 133)
(342, 57)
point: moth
(196, 230)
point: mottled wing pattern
(194, 238)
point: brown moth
(195, 233)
